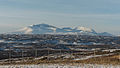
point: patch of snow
(61, 66)
(26, 30)
(83, 29)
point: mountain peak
(84, 29)
(40, 25)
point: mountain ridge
(49, 29)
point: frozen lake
(60, 66)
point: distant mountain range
(49, 29)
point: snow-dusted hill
(49, 29)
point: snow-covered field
(61, 66)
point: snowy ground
(92, 56)
(60, 66)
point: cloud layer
(102, 15)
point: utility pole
(9, 55)
(119, 56)
(36, 52)
(61, 53)
(48, 55)
(94, 54)
(23, 55)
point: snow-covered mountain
(49, 29)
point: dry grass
(116, 57)
(101, 60)
(114, 60)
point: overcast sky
(101, 15)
